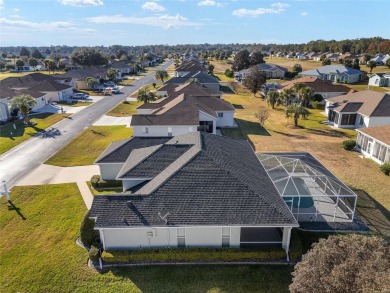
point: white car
(80, 96)
(115, 90)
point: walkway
(107, 120)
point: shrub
(349, 144)
(87, 234)
(97, 182)
(385, 168)
(229, 73)
(94, 254)
(317, 105)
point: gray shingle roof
(119, 151)
(218, 181)
(50, 86)
(200, 77)
(331, 69)
(26, 81)
(191, 66)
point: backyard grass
(39, 254)
(86, 147)
(22, 133)
(125, 109)
(322, 141)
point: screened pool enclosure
(311, 191)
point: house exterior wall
(162, 130)
(127, 184)
(167, 237)
(368, 146)
(110, 171)
(378, 121)
(226, 120)
(59, 96)
(4, 112)
(41, 102)
(205, 117)
(81, 85)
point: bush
(317, 105)
(94, 254)
(87, 234)
(229, 73)
(349, 144)
(97, 182)
(385, 168)
(193, 254)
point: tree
(229, 73)
(176, 63)
(388, 63)
(297, 111)
(61, 65)
(144, 95)
(91, 82)
(348, 62)
(50, 65)
(33, 62)
(23, 103)
(161, 75)
(326, 61)
(272, 98)
(210, 68)
(88, 57)
(256, 58)
(262, 115)
(355, 64)
(4, 55)
(241, 60)
(24, 52)
(286, 97)
(2, 66)
(112, 73)
(297, 88)
(371, 65)
(19, 64)
(254, 80)
(297, 68)
(367, 57)
(344, 263)
(305, 95)
(36, 54)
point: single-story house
(4, 109)
(25, 82)
(379, 79)
(272, 71)
(194, 190)
(123, 67)
(334, 73)
(200, 77)
(381, 59)
(76, 78)
(360, 109)
(192, 89)
(54, 91)
(182, 114)
(319, 87)
(374, 143)
(189, 68)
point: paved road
(22, 159)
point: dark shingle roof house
(25, 82)
(191, 66)
(197, 76)
(198, 188)
(318, 85)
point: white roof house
(374, 143)
(379, 79)
(334, 73)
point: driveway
(106, 120)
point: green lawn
(76, 104)
(9, 137)
(85, 148)
(125, 109)
(39, 254)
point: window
(220, 115)
(145, 130)
(348, 119)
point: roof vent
(130, 203)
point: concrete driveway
(106, 120)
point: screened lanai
(311, 191)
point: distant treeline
(363, 45)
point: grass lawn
(86, 147)
(323, 142)
(361, 86)
(150, 87)
(76, 104)
(125, 109)
(127, 81)
(39, 254)
(22, 133)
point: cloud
(1, 4)
(164, 21)
(210, 3)
(304, 13)
(153, 6)
(16, 16)
(276, 8)
(81, 2)
(16, 9)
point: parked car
(80, 96)
(109, 84)
(115, 90)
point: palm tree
(305, 95)
(286, 97)
(272, 98)
(161, 75)
(23, 103)
(297, 111)
(91, 82)
(144, 95)
(297, 88)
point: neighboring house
(335, 73)
(272, 71)
(379, 79)
(319, 87)
(189, 68)
(76, 78)
(318, 56)
(381, 59)
(190, 57)
(4, 108)
(357, 110)
(374, 143)
(25, 82)
(192, 89)
(194, 190)
(182, 114)
(54, 91)
(202, 78)
(123, 67)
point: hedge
(385, 168)
(192, 254)
(88, 235)
(94, 254)
(349, 144)
(97, 182)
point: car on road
(115, 90)
(80, 96)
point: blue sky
(135, 22)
